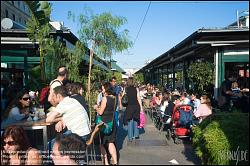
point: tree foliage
(201, 74)
(52, 53)
(104, 30)
(139, 78)
(101, 33)
(116, 74)
(38, 28)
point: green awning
(15, 59)
(95, 62)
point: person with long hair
(204, 109)
(133, 109)
(106, 110)
(18, 109)
(16, 149)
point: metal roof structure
(201, 39)
(17, 38)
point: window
(18, 3)
(13, 2)
(23, 7)
(14, 17)
(6, 14)
(20, 20)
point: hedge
(223, 139)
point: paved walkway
(153, 149)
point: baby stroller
(182, 120)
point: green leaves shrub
(219, 135)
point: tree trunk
(42, 65)
(89, 79)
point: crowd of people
(65, 106)
(234, 93)
(167, 101)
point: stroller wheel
(168, 135)
(177, 141)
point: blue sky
(167, 22)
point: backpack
(186, 118)
(43, 95)
(124, 98)
(43, 100)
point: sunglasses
(11, 143)
(26, 98)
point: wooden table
(47, 127)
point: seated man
(74, 116)
(69, 150)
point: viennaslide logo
(235, 155)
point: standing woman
(106, 111)
(18, 109)
(132, 113)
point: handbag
(108, 126)
(125, 99)
(142, 120)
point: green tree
(101, 34)
(139, 78)
(116, 74)
(201, 74)
(52, 53)
(38, 28)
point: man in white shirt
(73, 114)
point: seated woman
(164, 103)
(158, 98)
(16, 149)
(75, 91)
(204, 109)
(18, 109)
(152, 101)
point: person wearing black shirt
(226, 88)
(75, 91)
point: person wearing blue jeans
(133, 131)
(133, 109)
(117, 116)
(117, 90)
